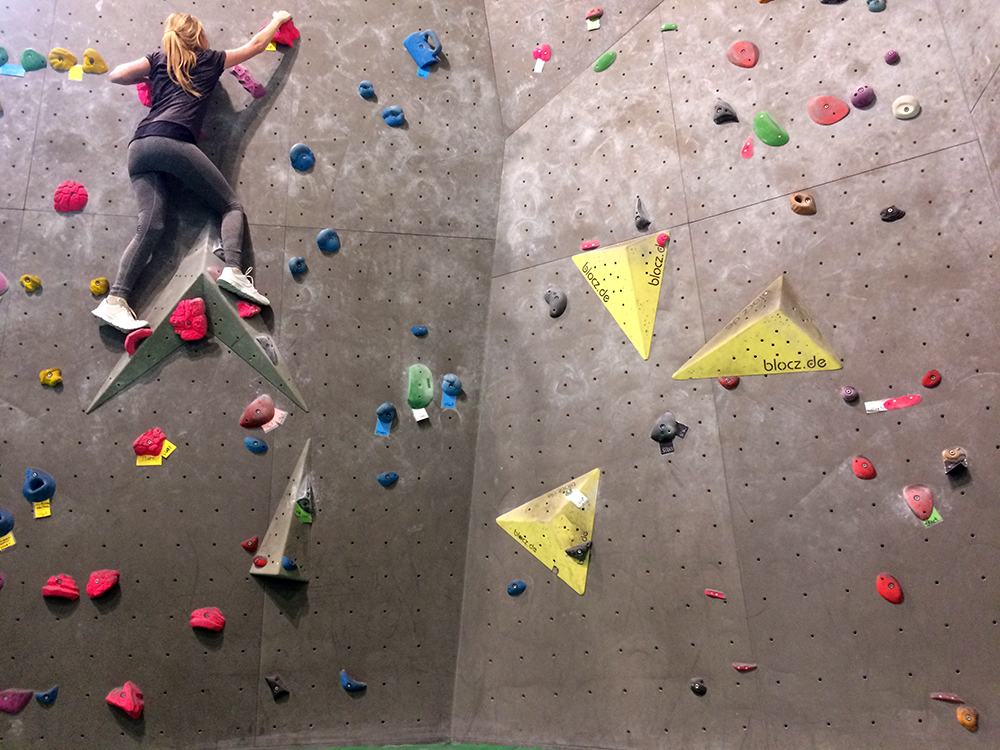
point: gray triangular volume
(287, 536)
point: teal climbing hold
(604, 61)
(768, 130)
(3, 56)
(32, 60)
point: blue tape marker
(447, 402)
(382, 428)
(9, 69)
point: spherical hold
(6, 522)
(386, 413)
(69, 196)
(698, 686)
(769, 131)
(259, 562)
(255, 445)
(863, 97)
(920, 499)
(328, 241)
(297, 265)
(61, 587)
(30, 282)
(802, 204)
(889, 588)
(604, 61)
(302, 157)
(743, 54)
(246, 309)
(826, 110)
(849, 393)
(250, 545)
(99, 286)
(876, 6)
(892, 57)
(516, 587)
(134, 338)
(351, 686)
(387, 478)
(542, 52)
(32, 60)
(259, 412)
(393, 116)
(906, 107)
(366, 90)
(556, 301)
(863, 468)
(208, 618)
(128, 698)
(968, 717)
(418, 331)
(451, 384)
(662, 239)
(101, 582)
(931, 380)
(729, 382)
(93, 62)
(48, 697)
(51, 377)
(891, 214)
(288, 564)
(61, 59)
(38, 486)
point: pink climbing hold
(246, 309)
(145, 93)
(70, 196)
(149, 443)
(827, 110)
(863, 468)
(590, 245)
(135, 338)
(920, 499)
(744, 54)
(714, 594)
(189, 320)
(13, 700)
(128, 698)
(542, 52)
(247, 81)
(747, 151)
(101, 582)
(286, 34)
(208, 618)
(259, 412)
(744, 667)
(662, 239)
(61, 586)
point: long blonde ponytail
(180, 42)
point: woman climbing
(181, 78)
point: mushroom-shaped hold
(302, 157)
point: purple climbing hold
(892, 57)
(2, 581)
(13, 700)
(247, 81)
(849, 394)
(863, 97)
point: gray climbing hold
(276, 685)
(580, 551)
(556, 301)
(267, 344)
(723, 112)
(876, 6)
(642, 221)
(665, 429)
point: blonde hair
(180, 43)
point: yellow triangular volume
(627, 277)
(773, 334)
(549, 525)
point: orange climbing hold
(968, 717)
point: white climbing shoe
(239, 283)
(115, 312)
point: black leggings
(150, 161)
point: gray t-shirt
(175, 113)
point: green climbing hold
(669, 27)
(604, 61)
(32, 60)
(421, 391)
(3, 56)
(768, 130)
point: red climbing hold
(920, 500)
(742, 667)
(730, 382)
(209, 618)
(714, 594)
(145, 93)
(135, 338)
(189, 320)
(590, 245)
(101, 582)
(70, 196)
(149, 443)
(827, 110)
(259, 412)
(662, 239)
(250, 545)
(744, 54)
(128, 698)
(949, 697)
(286, 34)
(259, 562)
(931, 379)
(863, 468)
(13, 700)
(889, 588)
(62, 586)
(247, 309)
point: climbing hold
(259, 562)
(61, 59)
(594, 13)
(516, 587)
(579, 552)
(247, 81)
(723, 112)
(101, 582)
(863, 97)
(70, 196)
(729, 383)
(208, 618)
(889, 588)
(2, 581)
(246, 309)
(421, 387)
(134, 338)
(967, 716)
(826, 110)
(768, 130)
(302, 157)
(954, 457)
(590, 244)
(328, 241)
(747, 151)
(743, 54)
(32, 60)
(920, 499)
(286, 34)
(260, 411)
(3, 284)
(662, 239)
(556, 301)
(892, 57)
(949, 697)
(891, 214)
(6, 522)
(849, 394)
(831, 2)
(250, 545)
(267, 344)
(744, 667)
(61, 587)
(386, 413)
(387, 478)
(542, 52)
(99, 286)
(418, 331)
(145, 93)
(93, 62)
(297, 265)
(604, 61)
(13, 700)
(189, 319)
(906, 107)
(424, 47)
(673, 26)
(715, 594)
(863, 468)
(3, 56)
(642, 221)
(288, 564)
(665, 429)
(48, 697)
(51, 377)
(128, 698)
(149, 443)
(30, 282)
(931, 380)
(351, 686)
(876, 6)
(393, 116)
(802, 204)
(366, 90)
(451, 384)
(255, 445)
(698, 686)
(276, 685)
(38, 486)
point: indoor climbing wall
(415, 210)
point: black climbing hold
(387, 478)
(418, 330)
(698, 686)
(579, 552)
(386, 413)
(351, 686)
(831, 2)
(892, 214)
(516, 587)
(556, 301)
(723, 112)
(47, 697)
(276, 685)
(642, 221)
(665, 429)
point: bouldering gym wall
(762, 234)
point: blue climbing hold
(424, 47)
(393, 116)
(366, 90)
(876, 6)
(302, 157)
(38, 486)
(386, 413)
(418, 330)
(48, 697)
(351, 686)
(451, 384)
(287, 564)
(6, 522)
(516, 587)
(387, 478)
(297, 265)
(328, 241)
(255, 445)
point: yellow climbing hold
(52, 376)
(773, 334)
(627, 278)
(555, 522)
(30, 282)
(61, 59)
(99, 286)
(93, 62)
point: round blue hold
(386, 413)
(451, 384)
(418, 330)
(255, 445)
(302, 157)
(48, 697)
(516, 587)
(6, 522)
(297, 265)
(366, 90)
(38, 486)
(393, 116)
(328, 241)
(287, 564)
(387, 478)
